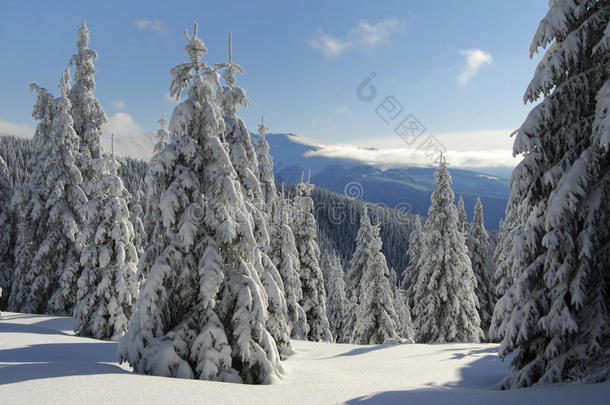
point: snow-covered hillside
(41, 361)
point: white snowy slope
(41, 361)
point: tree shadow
(15, 373)
(83, 357)
(362, 350)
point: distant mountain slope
(391, 187)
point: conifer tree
(154, 229)
(462, 217)
(265, 172)
(86, 110)
(7, 235)
(107, 286)
(404, 323)
(411, 273)
(445, 308)
(336, 299)
(554, 316)
(202, 311)
(376, 319)
(50, 203)
(477, 241)
(312, 282)
(243, 158)
(286, 258)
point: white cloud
(475, 149)
(363, 36)
(19, 130)
(153, 24)
(328, 45)
(129, 138)
(342, 109)
(370, 36)
(475, 59)
(119, 105)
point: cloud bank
(476, 149)
(19, 130)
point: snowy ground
(42, 362)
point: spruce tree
(86, 110)
(243, 158)
(107, 286)
(404, 323)
(376, 319)
(202, 311)
(265, 172)
(7, 234)
(154, 229)
(462, 217)
(445, 308)
(336, 299)
(554, 316)
(477, 241)
(411, 273)
(47, 255)
(312, 282)
(286, 258)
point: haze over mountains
(407, 187)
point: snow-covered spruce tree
(411, 273)
(555, 314)
(162, 136)
(243, 158)
(286, 259)
(265, 166)
(376, 319)
(7, 234)
(86, 110)
(503, 274)
(107, 286)
(462, 217)
(336, 299)
(155, 180)
(445, 308)
(404, 323)
(202, 311)
(47, 256)
(477, 241)
(312, 281)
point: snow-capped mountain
(393, 187)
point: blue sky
(458, 66)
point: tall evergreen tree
(265, 172)
(7, 235)
(86, 110)
(107, 286)
(243, 158)
(50, 202)
(154, 229)
(376, 319)
(312, 282)
(404, 323)
(202, 311)
(336, 299)
(462, 217)
(286, 258)
(445, 307)
(554, 317)
(477, 241)
(411, 273)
